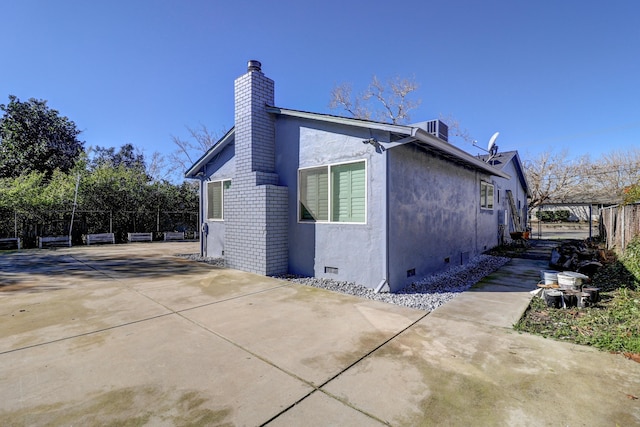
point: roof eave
(387, 127)
(201, 163)
(452, 151)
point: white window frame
(330, 193)
(485, 203)
(224, 184)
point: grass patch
(612, 325)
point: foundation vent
(331, 270)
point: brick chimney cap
(254, 65)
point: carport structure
(583, 207)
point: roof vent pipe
(254, 65)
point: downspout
(385, 220)
(203, 235)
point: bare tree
(455, 128)
(392, 100)
(189, 150)
(341, 97)
(551, 178)
(554, 179)
(615, 172)
(157, 167)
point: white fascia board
(206, 157)
(407, 130)
(523, 175)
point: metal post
(73, 212)
(110, 221)
(622, 228)
(590, 221)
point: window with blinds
(335, 193)
(215, 199)
(314, 200)
(348, 191)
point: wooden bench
(99, 238)
(10, 243)
(54, 241)
(173, 235)
(139, 237)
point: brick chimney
(254, 127)
(256, 207)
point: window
(215, 199)
(486, 195)
(335, 193)
(314, 200)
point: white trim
(493, 195)
(351, 121)
(222, 181)
(328, 166)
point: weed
(611, 325)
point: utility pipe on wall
(385, 264)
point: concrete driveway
(133, 335)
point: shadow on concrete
(37, 271)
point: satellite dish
(492, 148)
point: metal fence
(619, 225)
(28, 226)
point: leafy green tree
(29, 202)
(128, 156)
(112, 192)
(34, 137)
(36, 193)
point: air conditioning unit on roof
(435, 128)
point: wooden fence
(619, 225)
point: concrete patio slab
(37, 270)
(165, 371)
(448, 372)
(311, 333)
(38, 318)
(499, 299)
(197, 289)
(320, 410)
(165, 341)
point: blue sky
(558, 75)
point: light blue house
(517, 189)
(320, 195)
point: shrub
(631, 258)
(553, 216)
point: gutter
(451, 150)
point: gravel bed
(218, 262)
(426, 294)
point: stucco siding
(435, 220)
(222, 167)
(350, 252)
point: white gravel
(426, 294)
